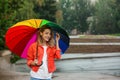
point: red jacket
(52, 53)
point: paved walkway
(84, 76)
(82, 56)
(91, 55)
(95, 43)
(9, 75)
(12, 75)
(94, 36)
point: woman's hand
(34, 63)
(57, 41)
(57, 37)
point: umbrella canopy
(21, 35)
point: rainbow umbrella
(21, 35)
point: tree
(59, 17)
(25, 11)
(75, 14)
(82, 12)
(104, 17)
(45, 9)
(7, 8)
(67, 14)
(117, 10)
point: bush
(14, 58)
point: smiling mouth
(47, 38)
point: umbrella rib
(36, 23)
(41, 22)
(30, 23)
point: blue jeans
(38, 79)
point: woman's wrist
(57, 46)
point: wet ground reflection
(109, 65)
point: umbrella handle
(36, 63)
(37, 51)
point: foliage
(83, 11)
(104, 18)
(6, 18)
(14, 58)
(117, 9)
(45, 9)
(75, 14)
(25, 11)
(65, 6)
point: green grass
(118, 34)
(97, 36)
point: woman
(41, 54)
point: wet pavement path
(103, 63)
(100, 66)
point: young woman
(41, 55)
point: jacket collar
(42, 45)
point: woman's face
(46, 34)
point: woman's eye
(47, 33)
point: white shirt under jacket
(42, 72)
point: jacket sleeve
(58, 54)
(30, 56)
